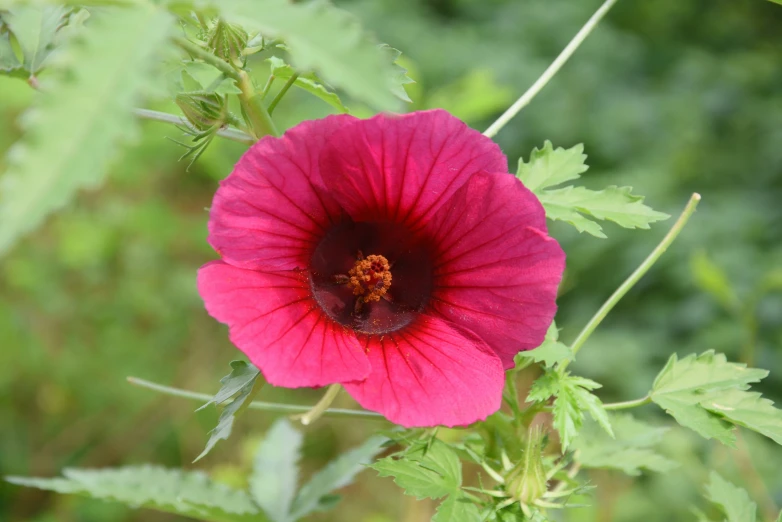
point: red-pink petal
(273, 319)
(431, 373)
(497, 271)
(269, 213)
(402, 168)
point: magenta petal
(497, 271)
(269, 213)
(402, 168)
(431, 373)
(273, 319)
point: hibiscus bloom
(393, 255)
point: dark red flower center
(376, 294)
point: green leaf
(308, 82)
(548, 167)
(748, 409)
(190, 494)
(424, 473)
(551, 352)
(323, 39)
(34, 28)
(337, 474)
(399, 77)
(629, 451)
(699, 390)
(576, 205)
(9, 63)
(241, 376)
(82, 114)
(579, 206)
(275, 471)
(572, 399)
(242, 384)
(734, 501)
(457, 508)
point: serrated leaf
(241, 376)
(308, 82)
(551, 351)
(683, 385)
(323, 39)
(398, 77)
(733, 501)
(9, 63)
(81, 116)
(34, 28)
(242, 384)
(190, 494)
(337, 474)
(424, 473)
(630, 451)
(457, 508)
(572, 399)
(548, 167)
(748, 409)
(276, 472)
(576, 205)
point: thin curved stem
(549, 73)
(255, 405)
(282, 92)
(230, 133)
(639, 272)
(626, 405)
(252, 103)
(314, 414)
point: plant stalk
(626, 405)
(282, 92)
(260, 121)
(322, 405)
(634, 277)
(230, 133)
(255, 405)
(549, 73)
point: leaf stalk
(552, 69)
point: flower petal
(273, 319)
(496, 270)
(402, 168)
(430, 373)
(269, 213)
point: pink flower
(394, 255)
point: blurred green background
(670, 97)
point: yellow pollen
(370, 278)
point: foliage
(549, 167)
(701, 392)
(237, 392)
(272, 491)
(668, 100)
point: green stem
(228, 132)
(255, 405)
(314, 414)
(549, 73)
(282, 92)
(634, 277)
(627, 404)
(201, 53)
(260, 121)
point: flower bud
(227, 41)
(203, 111)
(527, 480)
